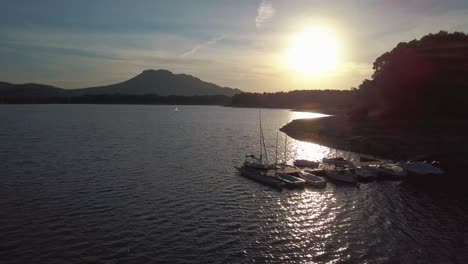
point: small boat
(336, 161)
(341, 175)
(317, 171)
(313, 180)
(390, 171)
(366, 173)
(306, 163)
(291, 181)
(420, 168)
(256, 163)
(260, 176)
(366, 159)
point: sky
(239, 44)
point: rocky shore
(442, 140)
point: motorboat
(366, 159)
(317, 171)
(390, 171)
(313, 180)
(339, 175)
(289, 180)
(420, 168)
(366, 173)
(339, 161)
(306, 163)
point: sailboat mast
(261, 141)
(276, 149)
(285, 149)
(264, 148)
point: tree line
(298, 99)
(425, 78)
(120, 99)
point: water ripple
(138, 184)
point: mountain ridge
(161, 82)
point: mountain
(30, 90)
(160, 82)
(4, 84)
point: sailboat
(257, 162)
(176, 109)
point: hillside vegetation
(425, 78)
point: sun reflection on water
(304, 224)
(304, 218)
(304, 150)
(305, 115)
(310, 151)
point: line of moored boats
(337, 170)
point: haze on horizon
(251, 45)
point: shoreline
(441, 140)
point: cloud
(265, 12)
(202, 45)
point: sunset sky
(240, 44)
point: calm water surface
(142, 184)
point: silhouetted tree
(299, 99)
(426, 77)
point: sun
(312, 52)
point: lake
(144, 184)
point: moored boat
(366, 173)
(318, 171)
(336, 161)
(256, 163)
(341, 175)
(313, 180)
(306, 163)
(420, 168)
(366, 159)
(261, 176)
(390, 172)
(289, 180)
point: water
(142, 184)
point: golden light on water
(302, 150)
(313, 52)
(305, 115)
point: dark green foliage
(300, 99)
(421, 78)
(358, 113)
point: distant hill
(160, 82)
(30, 90)
(4, 84)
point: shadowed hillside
(30, 90)
(156, 82)
(420, 78)
(160, 82)
(414, 106)
(301, 99)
